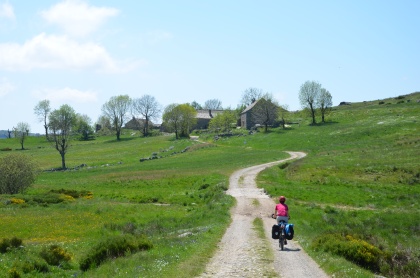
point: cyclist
(282, 210)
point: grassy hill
(353, 199)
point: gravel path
(241, 253)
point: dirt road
(241, 253)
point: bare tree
(61, 123)
(213, 104)
(42, 110)
(148, 108)
(265, 112)
(22, 131)
(324, 102)
(251, 95)
(308, 95)
(116, 110)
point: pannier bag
(289, 231)
(275, 231)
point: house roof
(250, 106)
(205, 113)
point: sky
(83, 52)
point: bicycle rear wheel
(281, 241)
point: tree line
(64, 124)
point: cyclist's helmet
(282, 199)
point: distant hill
(4, 134)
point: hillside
(357, 186)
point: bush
(7, 244)
(55, 255)
(115, 246)
(355, 250)
(17, 172)
(32, 265)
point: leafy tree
(188, 119)
(42, 110)
(17, 172)
(196, 105)
(251, 95)
(172, 118)
(213, 104)
(324, 102)
(148, 108)
(103, 124)
(265, 112)
(84, 127)
(22, 131)
(179, 118)
(116, 110)
(308, 95)
(61, 123)
(223, 121)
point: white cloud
(5, 87)
(6, 11)
(66, 95)
(77, 18)
(58, 52)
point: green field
(353, 199)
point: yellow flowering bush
(17, 201)
(351, 248)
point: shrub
(17, 201)
(356, 250)
(32, 265)
(18, 172)
(55, 255)
(112, 247)
(7, 244)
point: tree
(42, 110)
(308, 95)
(148, 108)
(116, 110)
(196, 105)
(179, 118)
(283, 112)
(61, 123)
(84, 127)
(188, 119)
(324, 102)
(223, 121)
(213, 104)
(251, 95)
(22, 131)
(265, 112)
(17, 172)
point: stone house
(204, 116)
(249, 118)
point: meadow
(353, 198)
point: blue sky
(82, 53)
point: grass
(360, 178)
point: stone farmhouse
(204, 116)
(248, 118)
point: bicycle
(282, 235)
(279, 232)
